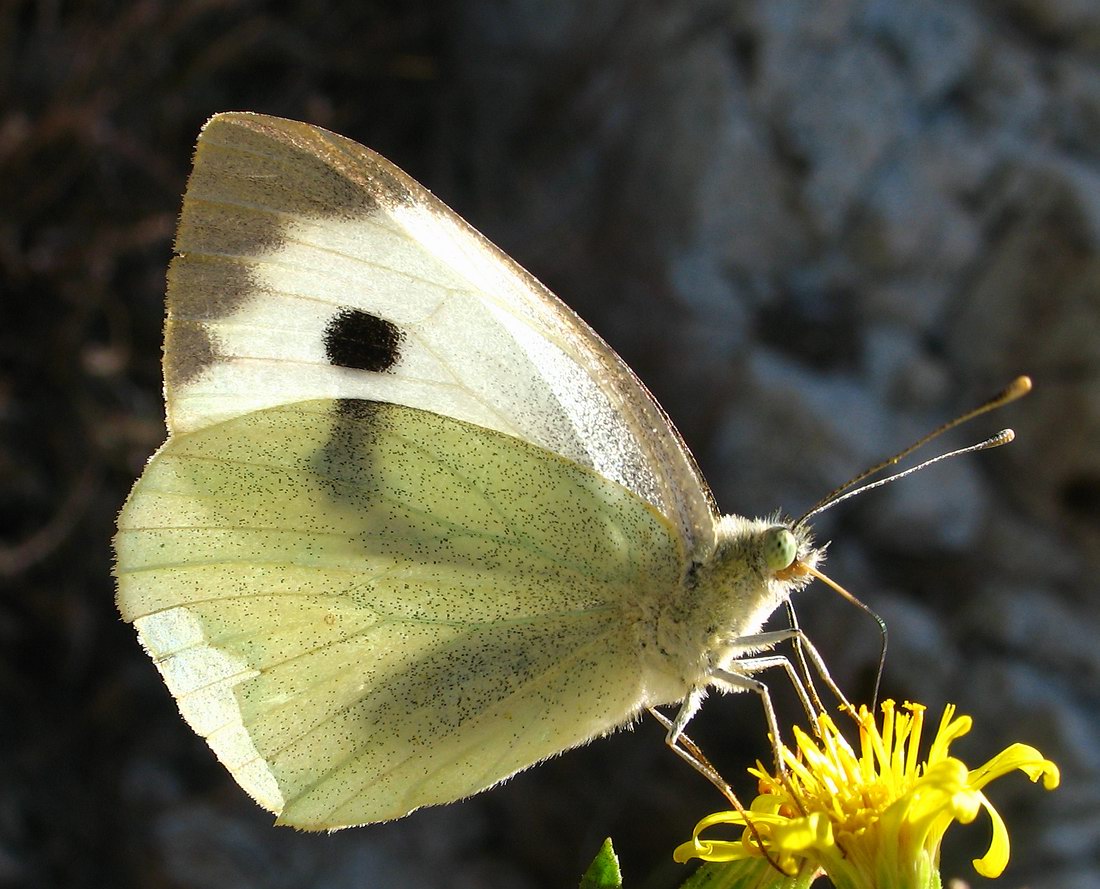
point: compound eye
(780, 548)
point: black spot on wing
(362, 341)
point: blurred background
(816, 228)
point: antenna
(1018, 388)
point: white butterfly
(415, 527)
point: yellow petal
(1018, 756)
(814, 831)
(719, 850)
(716, 850)
(993, 863)
(950, 730)
(942, 790)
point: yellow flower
(871, 819)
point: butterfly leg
(735, 680)
(806, 647)
(739, 677)
(687, 750)
(752, 665)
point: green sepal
(603, 872)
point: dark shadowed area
(816, 228)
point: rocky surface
(816, 229)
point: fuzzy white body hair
(726, 595)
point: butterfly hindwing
(366, 607)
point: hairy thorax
(725, 596)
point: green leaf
(603, 872)
(751, 873)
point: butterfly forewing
(310, 267)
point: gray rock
(821, 98)
(1039, 628)
(922, 658)
(909, 220)
(1076, 106)
(899, 369)
(942, 510)
(793, 436)
(938, 40)
(1076, 22)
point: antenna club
(1019, 387)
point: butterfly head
(788, 552)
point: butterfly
(415, 527)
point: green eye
(780, 548)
